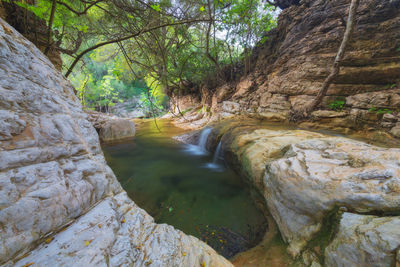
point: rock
(116, 130)
(389, 117)
(389, 99)
(272, 116)
(60, 204)
(188, 138)
(364, 240)
(231, 107)
(129, 109)
(396, 130)
(289, 68)
(116, 232)
(111, 128)
(304, 176)
(315, 176)
(10, 125)
(328, 114)
(244, 87)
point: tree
(351, 21)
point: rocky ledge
(60, 204)
(322, 191)
(111, 128)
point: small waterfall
(217, 152)
(199, 149)
(214, 165)
(203, 138)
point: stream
(187, 187)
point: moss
(324, 237)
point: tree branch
(339, 57)
(79, 13)
(80, 55)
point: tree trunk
(49, 31)
(339, 57)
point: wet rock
(305, 176)
(60, 204)
(364, 240)
(188, 138)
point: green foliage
(156, 7)
(167, 59)
(337, 105)
(380, 111)
(106, 80)
(153, 100)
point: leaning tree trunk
(336, 65)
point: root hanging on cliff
(351, 21)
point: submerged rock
(60, 204)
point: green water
(176, 187)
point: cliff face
(289, 69)
(31, 27)
(60, 204)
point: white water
(217, 152)
(203, 138)
(214, 165)
(199, 149)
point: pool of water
(188, 188)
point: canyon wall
(60, 204)
(289, 68)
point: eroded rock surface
(116, 232)
(363, 240)
(112, 128)
(288, 70)
(308, 178)
(316, 176)
(59, 201)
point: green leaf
(202, 9)
(156, 7)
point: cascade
(203, 138)
(217, 152)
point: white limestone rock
(315, 176)
(55, 186)
(364, 240)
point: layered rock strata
(290, 67)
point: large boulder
(60, 204)
(308, 179)
(315, 177)
(118, 129)
(111, 128)
(364, 240)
